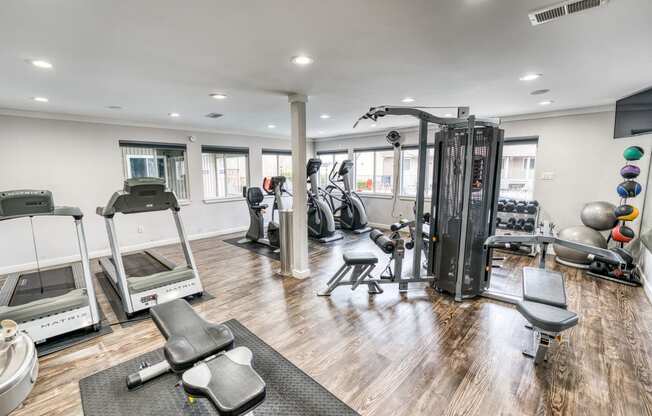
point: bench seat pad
(228, 380)
(546, 317)
(360, 257)
(189, 337)
(544, 286)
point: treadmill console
(25, 202)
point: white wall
(579, 149)
(81, 164)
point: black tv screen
(634, 115)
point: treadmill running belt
(56, 282)
(142, 264)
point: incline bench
(544, 295)
(203, 353)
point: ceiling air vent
(558, 10)
(213, 115)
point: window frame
(126, 164)
(527, 161)
(214, 152)
(277, 153)
(428, 186)
(333, 154)
(373, 150)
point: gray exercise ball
(579, 234)
(599, 215)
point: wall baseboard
(105, 252)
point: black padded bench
(362, 263)
(544, 286)
(544, 307)
(203, 349)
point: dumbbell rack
(532, 218)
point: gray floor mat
(289, 390)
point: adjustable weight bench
(203, 353)
(544, 295)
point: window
(278, 163)
(166, 161)
(517, 174)
(410, 171)
(327, 162)
(374, 171)
(225, 171)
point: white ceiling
(153, 57)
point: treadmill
(55, 300)
(143, 279)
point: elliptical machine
(255, 197)
(351, 213)
(321, 223)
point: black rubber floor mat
(116, 303)
(257, 248)
(313, 245)
(64, 341)
(290, 391)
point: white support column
(300, 268)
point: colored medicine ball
(629, 189)
(633, 153)
(630, 171)
(626, 212)
(622, 234)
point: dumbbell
(498, 221)
(521, 207)
(531, 208)
(519, 224)
(529, 225)
(511, 222)
(509, 206)
(500, 206)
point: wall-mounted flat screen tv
(634, 115)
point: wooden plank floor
(414, 354)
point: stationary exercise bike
(255, 197)
(351, 213)
(321, 223)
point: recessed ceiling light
(302, 60)
(546, 102)
(325, 116)
(114, 107)
(408, 100)
(530, 77)
(174, 114)
(373, 125)
(321, 132)
(39, 63)
(539, 92)
(271, 126)
(40, 99)
(218, 96)
(448, 115)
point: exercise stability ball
(599, 215)
(579, 234)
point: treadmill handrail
(63, 211)
(539, 239)
(120, 196)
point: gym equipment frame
(48, 311)
(164, 281)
